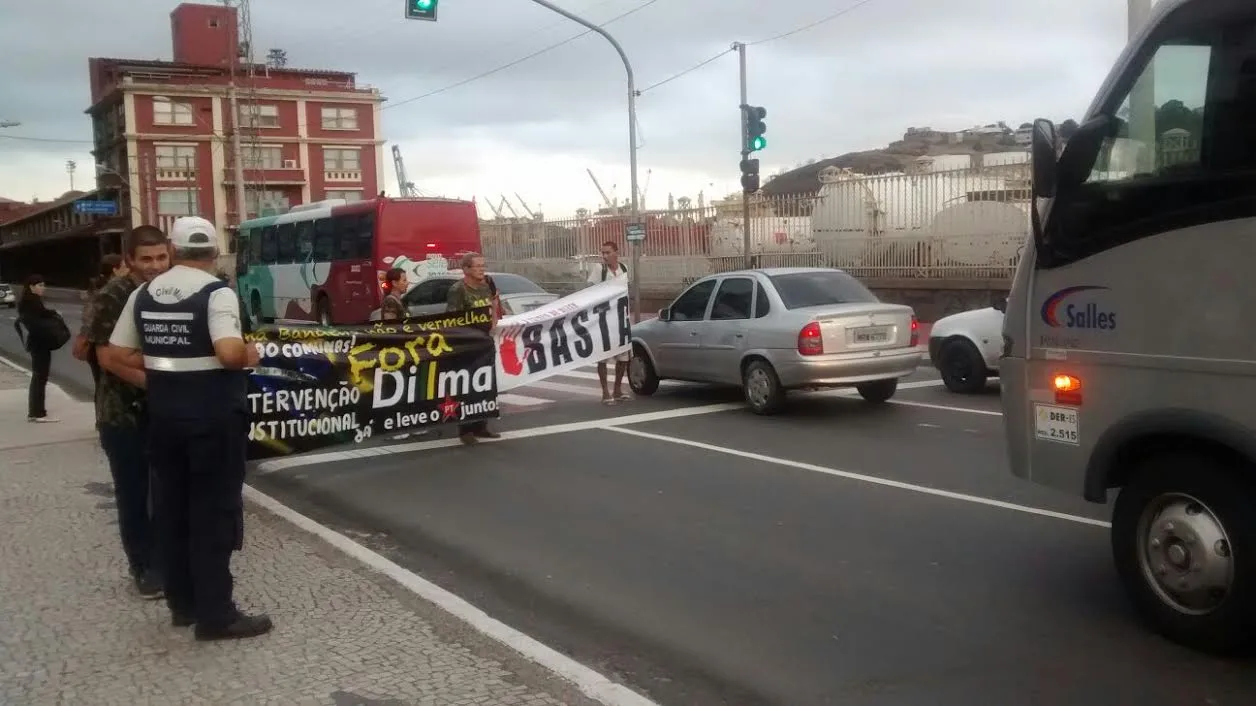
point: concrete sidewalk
(72, 631)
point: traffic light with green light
(752, 117)
(421, 9)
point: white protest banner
(589, 326)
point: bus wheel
(322, 311)
(1184, 541)
(255, 308)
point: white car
(965, 348)
(7, 297)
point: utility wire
(45, 139)
(691, 69)
(518, 61)
(783, 35)
(811, 25)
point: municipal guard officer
(185, 324)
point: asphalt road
(723, 558)
(840, 553)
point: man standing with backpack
(612, 269)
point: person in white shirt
(612, 269)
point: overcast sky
(853, 83)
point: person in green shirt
(476, 289)
(121, 410)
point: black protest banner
(317, 387)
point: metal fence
(962, 224)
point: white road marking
(864, 478)
(26, 371)
(559, 387)
(580, 374)
(947, 408)
(591, 683)
(301, 461)
(521, 400)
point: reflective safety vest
(185, 378)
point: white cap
(193, 232)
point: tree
(1175, 115)
(1068, 128)
(1026, 126)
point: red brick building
(164, 129)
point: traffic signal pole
(745, 154)
(634, 280)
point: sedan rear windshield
(803, 289)
(514, 284)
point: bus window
(305, 240)
(242, 251)
(324, 240)
(286, 236)
(346, 237)
(366, 236)
(270, 246)
(255, 246)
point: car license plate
(872, 334)
(1058, 424)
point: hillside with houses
(899, 155)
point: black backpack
(622, 268)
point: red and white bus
(324, 262)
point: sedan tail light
(810, 340)
(915, 331)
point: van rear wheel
(1183, 539)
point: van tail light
(1068, 389)
(915, 331)
(810, 341)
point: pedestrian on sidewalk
(122, 413)
(474, 290)
(45, 332)
(612, 269)
(195, 362)
(111, 266)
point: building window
(268, 157)
(177, 202)
(176, 156)
(349, 195)
(253, 115)
(341, 159)
(340, 119)
(168, 112)
(265, 202)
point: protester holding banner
(612, 269)
(395, 285)
(475, 290)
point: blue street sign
(96, 208)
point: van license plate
(1059, 424)
(873, 334)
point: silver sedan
(774, 330)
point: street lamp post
(634, 280)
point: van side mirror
(1078, 159)
(1000, 304)
(1043, 159)
(665, 314)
